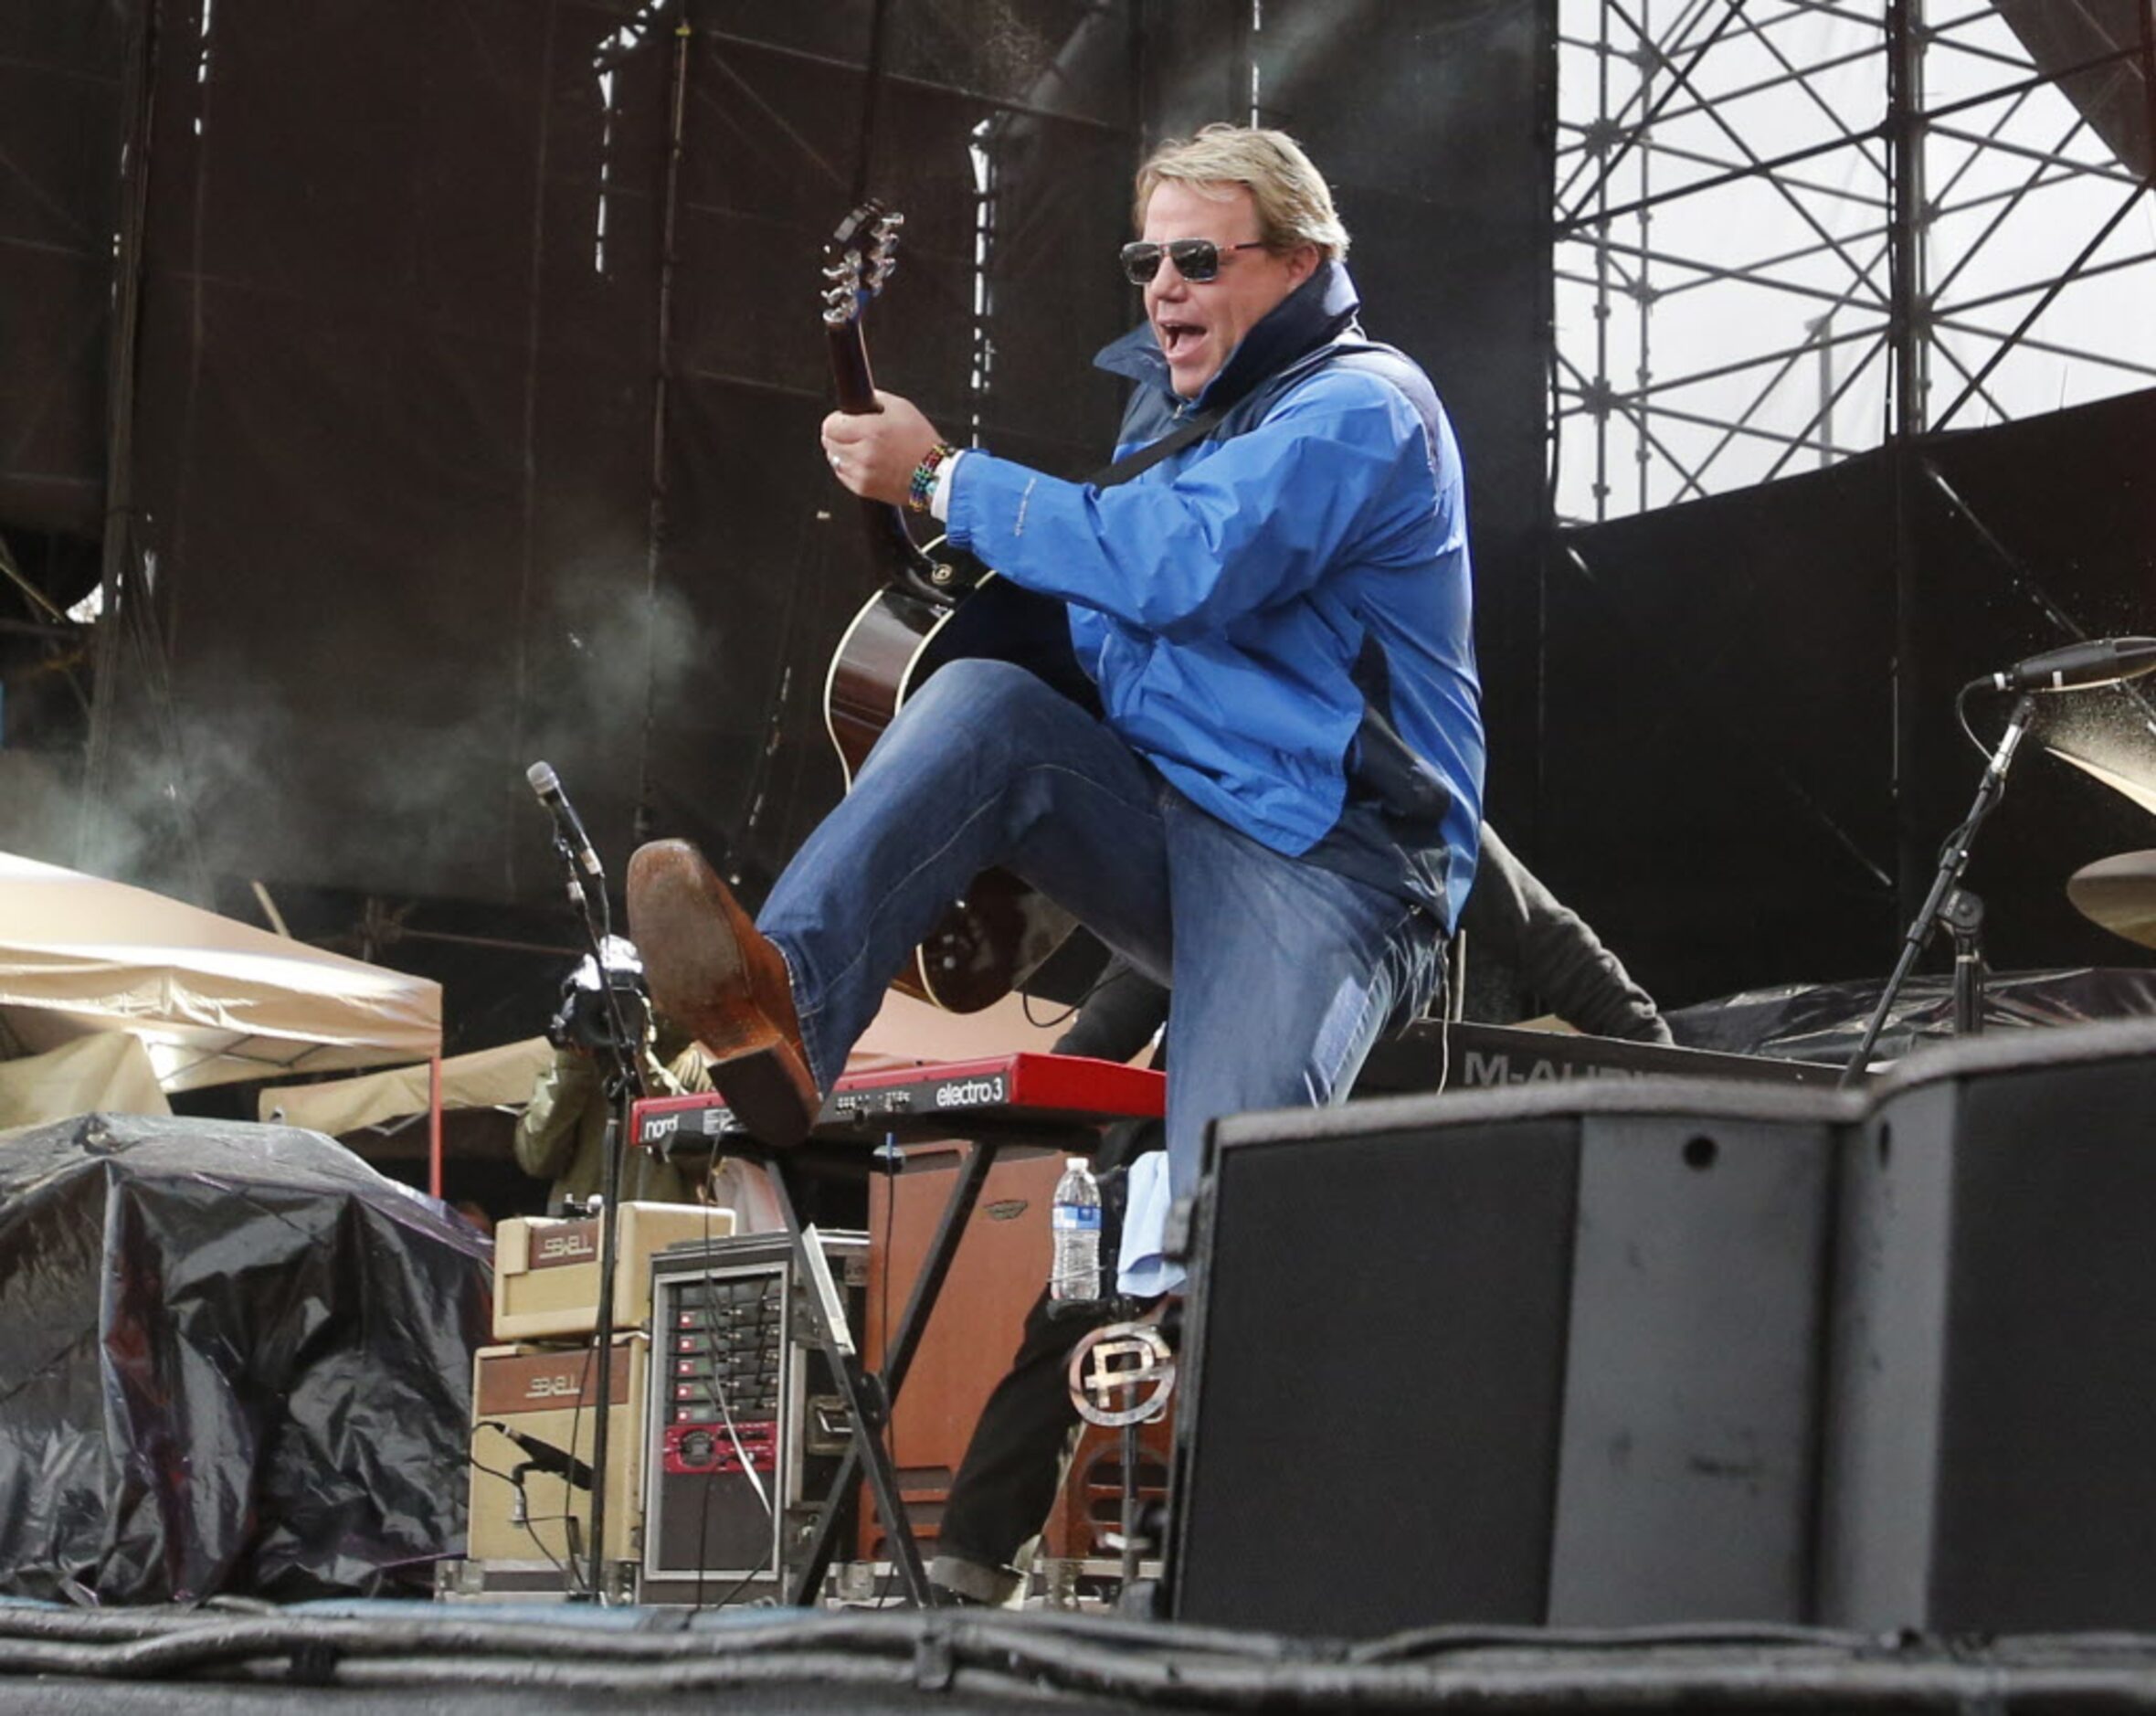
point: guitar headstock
(858, 260)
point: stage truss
(1788, 231)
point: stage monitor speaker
(1991, 1461)
(1549, 1355)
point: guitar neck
(857, 397)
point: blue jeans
(1283, 973)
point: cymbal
(2120, 894)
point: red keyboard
(1001, 1093)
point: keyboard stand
(868, 1398)
(873, 1395)
(1075, 1098)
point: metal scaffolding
(1787, 232)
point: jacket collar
(1317, 311)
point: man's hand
(874, 454)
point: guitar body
(1001, 931)
(897, 641)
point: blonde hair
(1294, 203)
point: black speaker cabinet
(1547, 1355)
(1992, 1432)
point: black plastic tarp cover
(233, 1360)
(1826, 1022)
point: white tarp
(212, 1000)
(108, 1073)
(487, 1078)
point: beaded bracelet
(923, 486)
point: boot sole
(681, 919)
(770, 1093)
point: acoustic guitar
(939, 606)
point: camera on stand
(602, 1011)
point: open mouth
(1177, 339)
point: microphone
(545, 1456)
(2079, 666)
(565, 820)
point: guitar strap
(1153, 452)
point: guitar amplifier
(968, 1346)
(746, 1425)
(521, 1519)
(547, 1272)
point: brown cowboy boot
(717, 977)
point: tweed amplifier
(533, 1412)
(547, 1272)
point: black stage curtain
(1727, 789)
(403, 354)
(400, 406)
(62, 91)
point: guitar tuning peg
(838, 270)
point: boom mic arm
(2080, 666)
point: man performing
(1275, 811)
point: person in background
(1524, 942)
(562, 1134)
(475, 1213)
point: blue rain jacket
(1278, 616)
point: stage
(414, 1657)
(404, 394)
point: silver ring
(838, 463)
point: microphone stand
(1953, 859)
(623, 1083)
(1963, 915)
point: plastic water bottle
(1076, 1219)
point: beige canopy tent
(106, 1074)
(488, 1079)
(211, 1001)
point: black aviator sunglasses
(1196, 260)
